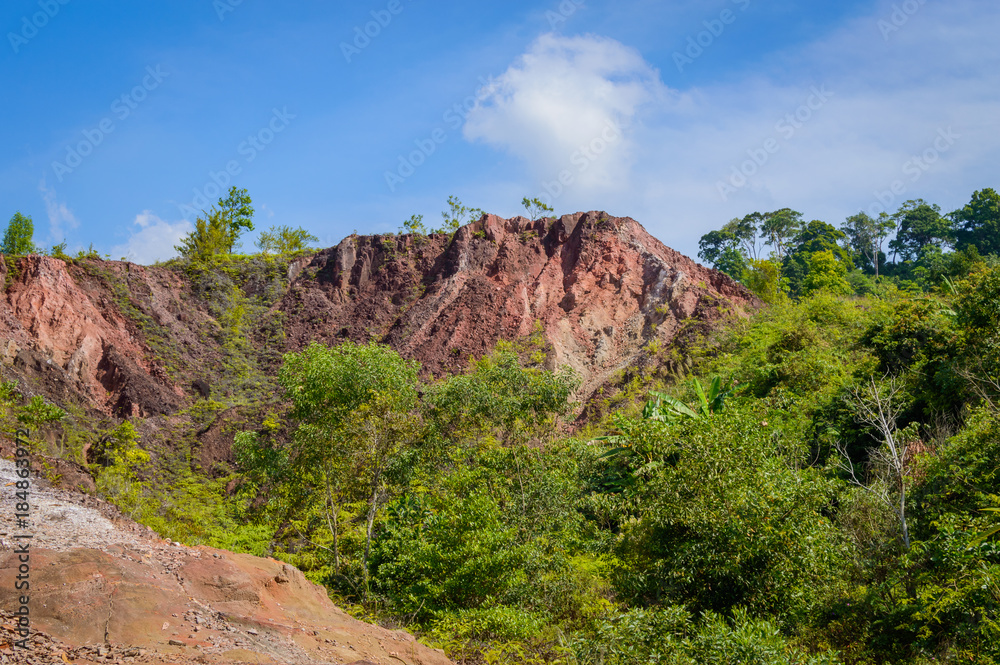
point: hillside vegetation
(815, 483)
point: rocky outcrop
(599, 287)
(75, 345)
(198, 603)
(137, 341)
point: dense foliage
(816, 256)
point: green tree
(780, 228)
(732, 262)
(748, 232)
(978, 224)
(457, 214)
(236, 214)
(919, 225)
(717, 519)
(763, 277)
(118, 462)
(826, 273)
(17, 241)
(218, 230)
(714, 245)
(414, 225)
(738, 236)
(285, 240)
(866, 236)
(816, 237)
(536, 208)
(209, 238)
(500, 397)
(354, 406)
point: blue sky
(680, 114)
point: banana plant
(715, 400)
(662, 408)
(989, 534)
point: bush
(720, 519)
(285, 240)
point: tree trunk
(372, 508)
(331, 519)
(902, 514)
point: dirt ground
(107, 590)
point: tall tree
(866, 236)
(209, 238)
(978, 224)
(714, 245)
(355, 409)
(780, 228)
(18, 238)
(748, 232)
(815, 237)
(218, 230)
(237, 213)
(920, 225)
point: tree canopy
(18, 239)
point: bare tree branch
(878, 403)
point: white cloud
(569, 104)
(154, 241)
(60, 216)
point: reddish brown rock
(52, 329)
(600, 287)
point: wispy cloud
(60, 216)
(153, 241)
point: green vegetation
(414, 225)
(770, 515)
(17, 240)
(218, 231)
(817, 483)
(928, 248)
(536, 208)
(285, 240)
(456, 215)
